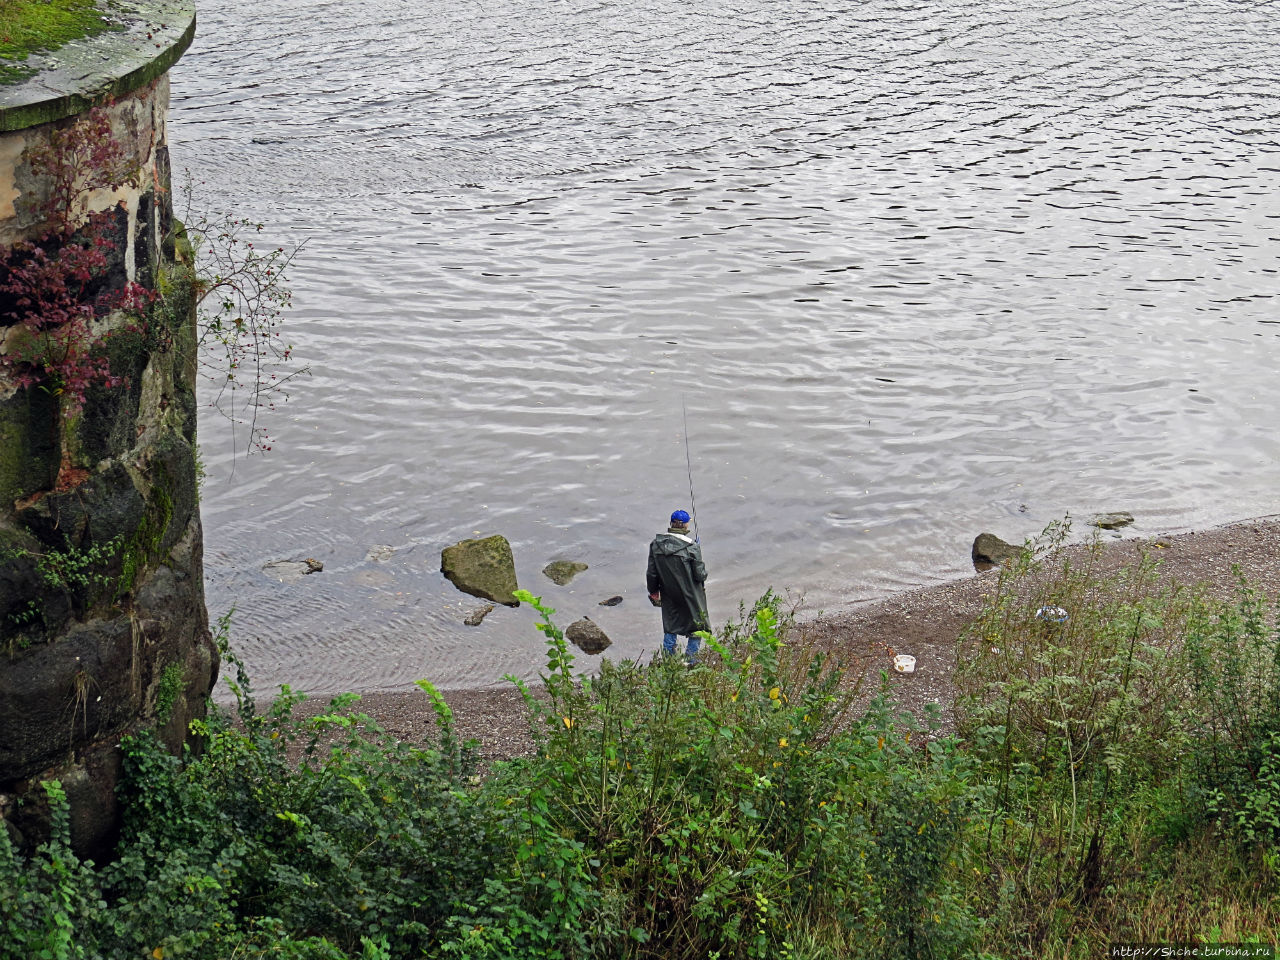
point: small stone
(1162, 543)
(476, 616)
(611, 602)
(313, 566)
(560, 572)
(1112, 521)
(588, 637)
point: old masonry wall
(103, 628)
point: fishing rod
(693, 505)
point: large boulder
(587, 637)
(483, 568)
(989, 551)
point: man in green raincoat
(675, 580)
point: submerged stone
(476, 617)
(286, 571)
(587, 637)
(561, 572)
(1112, 521)
(483, 568)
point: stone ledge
(153, 34)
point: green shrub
(362, 837)
(1075, 716)
(48, 899)
(1111, 739)
(1116, 780)
(691, 813)
(1232, 661)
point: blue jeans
(691, 648)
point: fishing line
(693, 505)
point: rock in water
(483, 568)
(561, 572)
(588, 637)
(989, 550)
(476, 616)
(1112, 521)
(286, 571)
(611, 602)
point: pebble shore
(924, 622)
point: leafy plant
(708, 805)
(48, 900)
(1232, 716)
(242, 292)
(80, 576)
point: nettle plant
(53, 287)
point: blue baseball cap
(680, 517)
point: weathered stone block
(107, 427)
(482, 568)
(114, 483)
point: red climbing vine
(54, 288)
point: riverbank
(924, 622)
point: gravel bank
(924, 622)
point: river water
(915, 269)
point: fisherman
(675, 580)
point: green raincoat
(677, 572)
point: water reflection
(918, 270)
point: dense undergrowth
(1114, 776)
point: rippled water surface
(916, 269)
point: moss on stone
(168, 690)
(147, 542)
(30, 26)
(29, 443)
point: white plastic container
(904, 664)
